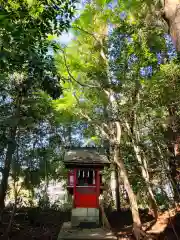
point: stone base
(85, 216)
(69, 233)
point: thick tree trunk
(5, 174)
(172, 16)
(115, 187)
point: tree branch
(89, 33)
(72, 77)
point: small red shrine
(85, 182)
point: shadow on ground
(166, 227)
(171, 230)
(34, 223)
(121, 222)
(38, 224)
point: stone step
(69, 233)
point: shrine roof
(85, 156)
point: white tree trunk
(145, 175)
(127, 186)
(113, 186)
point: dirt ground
(121, 222)
(36, 224)
(167, 226)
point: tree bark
(124, 175)
(143, 166)
(127, 186)
(173, 141)
(137, 226)
(115, 137)
(145, 175)
(172, 17)
(16, 194)
(118, 204)
(5, 174)
(115, 187)
(105, 221)
(11, 146)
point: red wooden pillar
(74, 192)
(97, 186)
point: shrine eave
(85, 158)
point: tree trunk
(165, 166)
(173, 141)
(16, 193)
(143, 166)
(11, 146)
(138, 233)
(46, 178)
(132, 198)
(5, 174)
(172, 17)
(105, 221)
(145, 175)
(118, 205)
(113, 187)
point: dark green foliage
(29, 79)
(24, 28)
